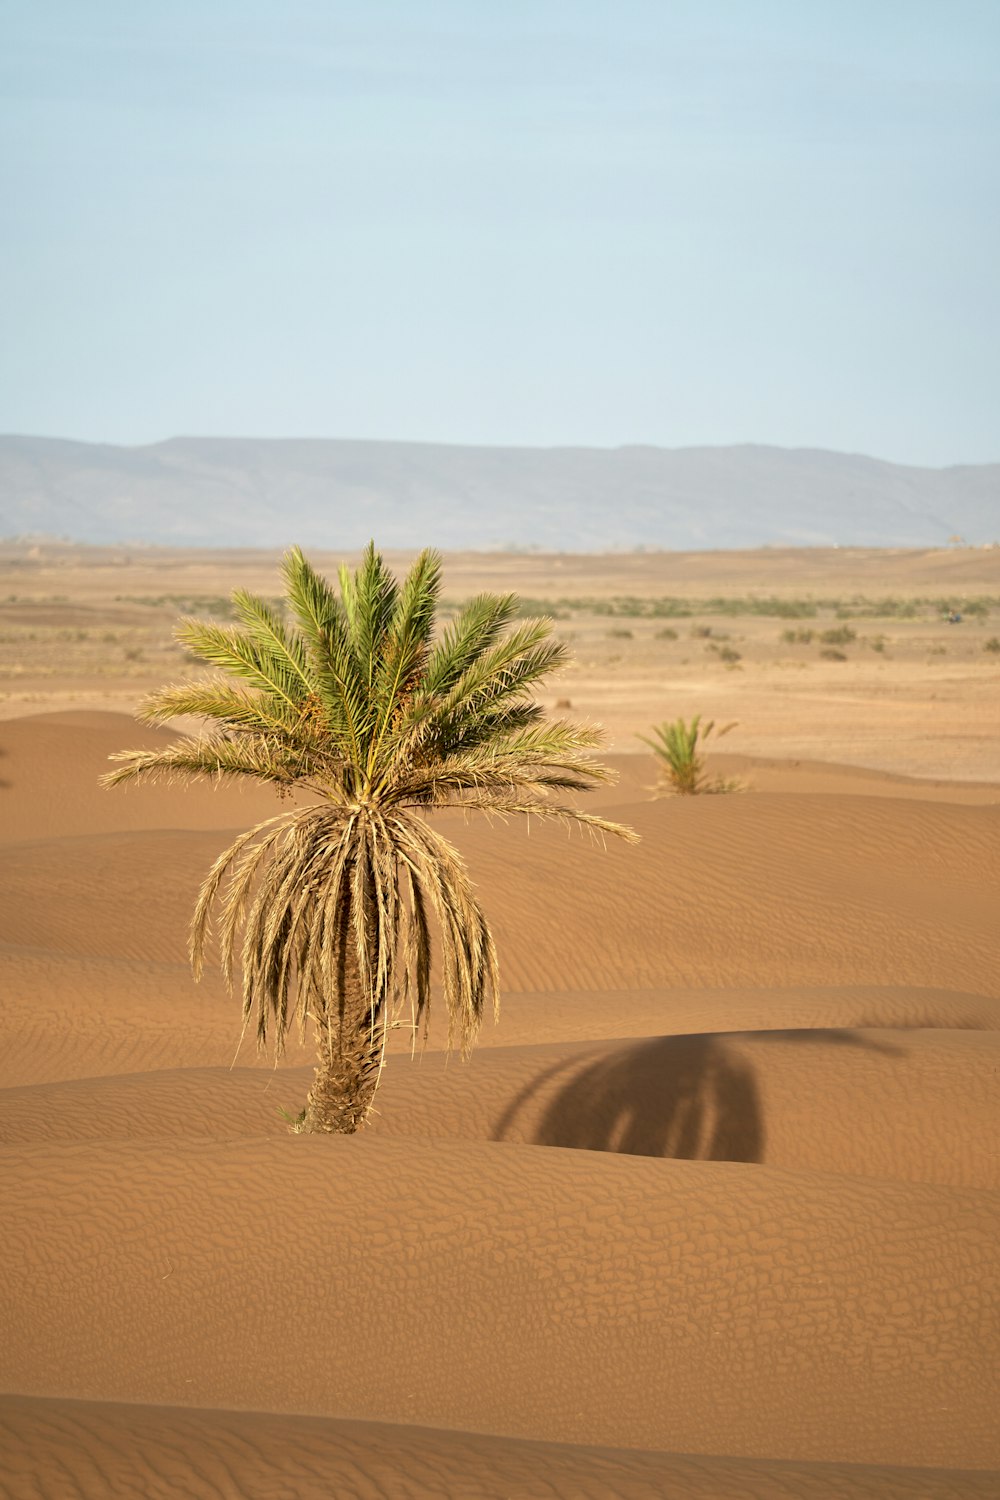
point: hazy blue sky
(508, 222)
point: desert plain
(712, 1211)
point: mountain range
(336, 493)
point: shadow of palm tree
(690, 1097)
(672, 1096)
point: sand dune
(49, 772)
(719, 1195)
(66, 1017)
(751, 891)
(568, 1015)
(766, 896)
(162, 1453)
(700, 1306)
(50, 764)
(841, 1101)
(744, 891)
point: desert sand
(711, 1212)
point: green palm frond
(223, 702)
(370, 598)
(282, 650)
(326, 634)
(235, 651)
(373, 596)
(472, 711)
(512, 665)
(311, 600)
(259, 757)
(463, 642)
(533, 760)
(405, 652)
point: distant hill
(337, 494)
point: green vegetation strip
(669, 607)
(629, 606)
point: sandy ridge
(55, 1449)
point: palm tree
(357, 706)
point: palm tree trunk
(349, 1051)
(344, 1086)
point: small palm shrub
(678, 748)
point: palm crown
(356, 702)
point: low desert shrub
(992, 645)
(830, 653)
(728, 654)
(841, 635)
(666, 634)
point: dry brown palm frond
(569, 817)
(284, 886)
(468, 955)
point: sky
(536, 222)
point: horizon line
(185, 437)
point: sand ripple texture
(713, 1213)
